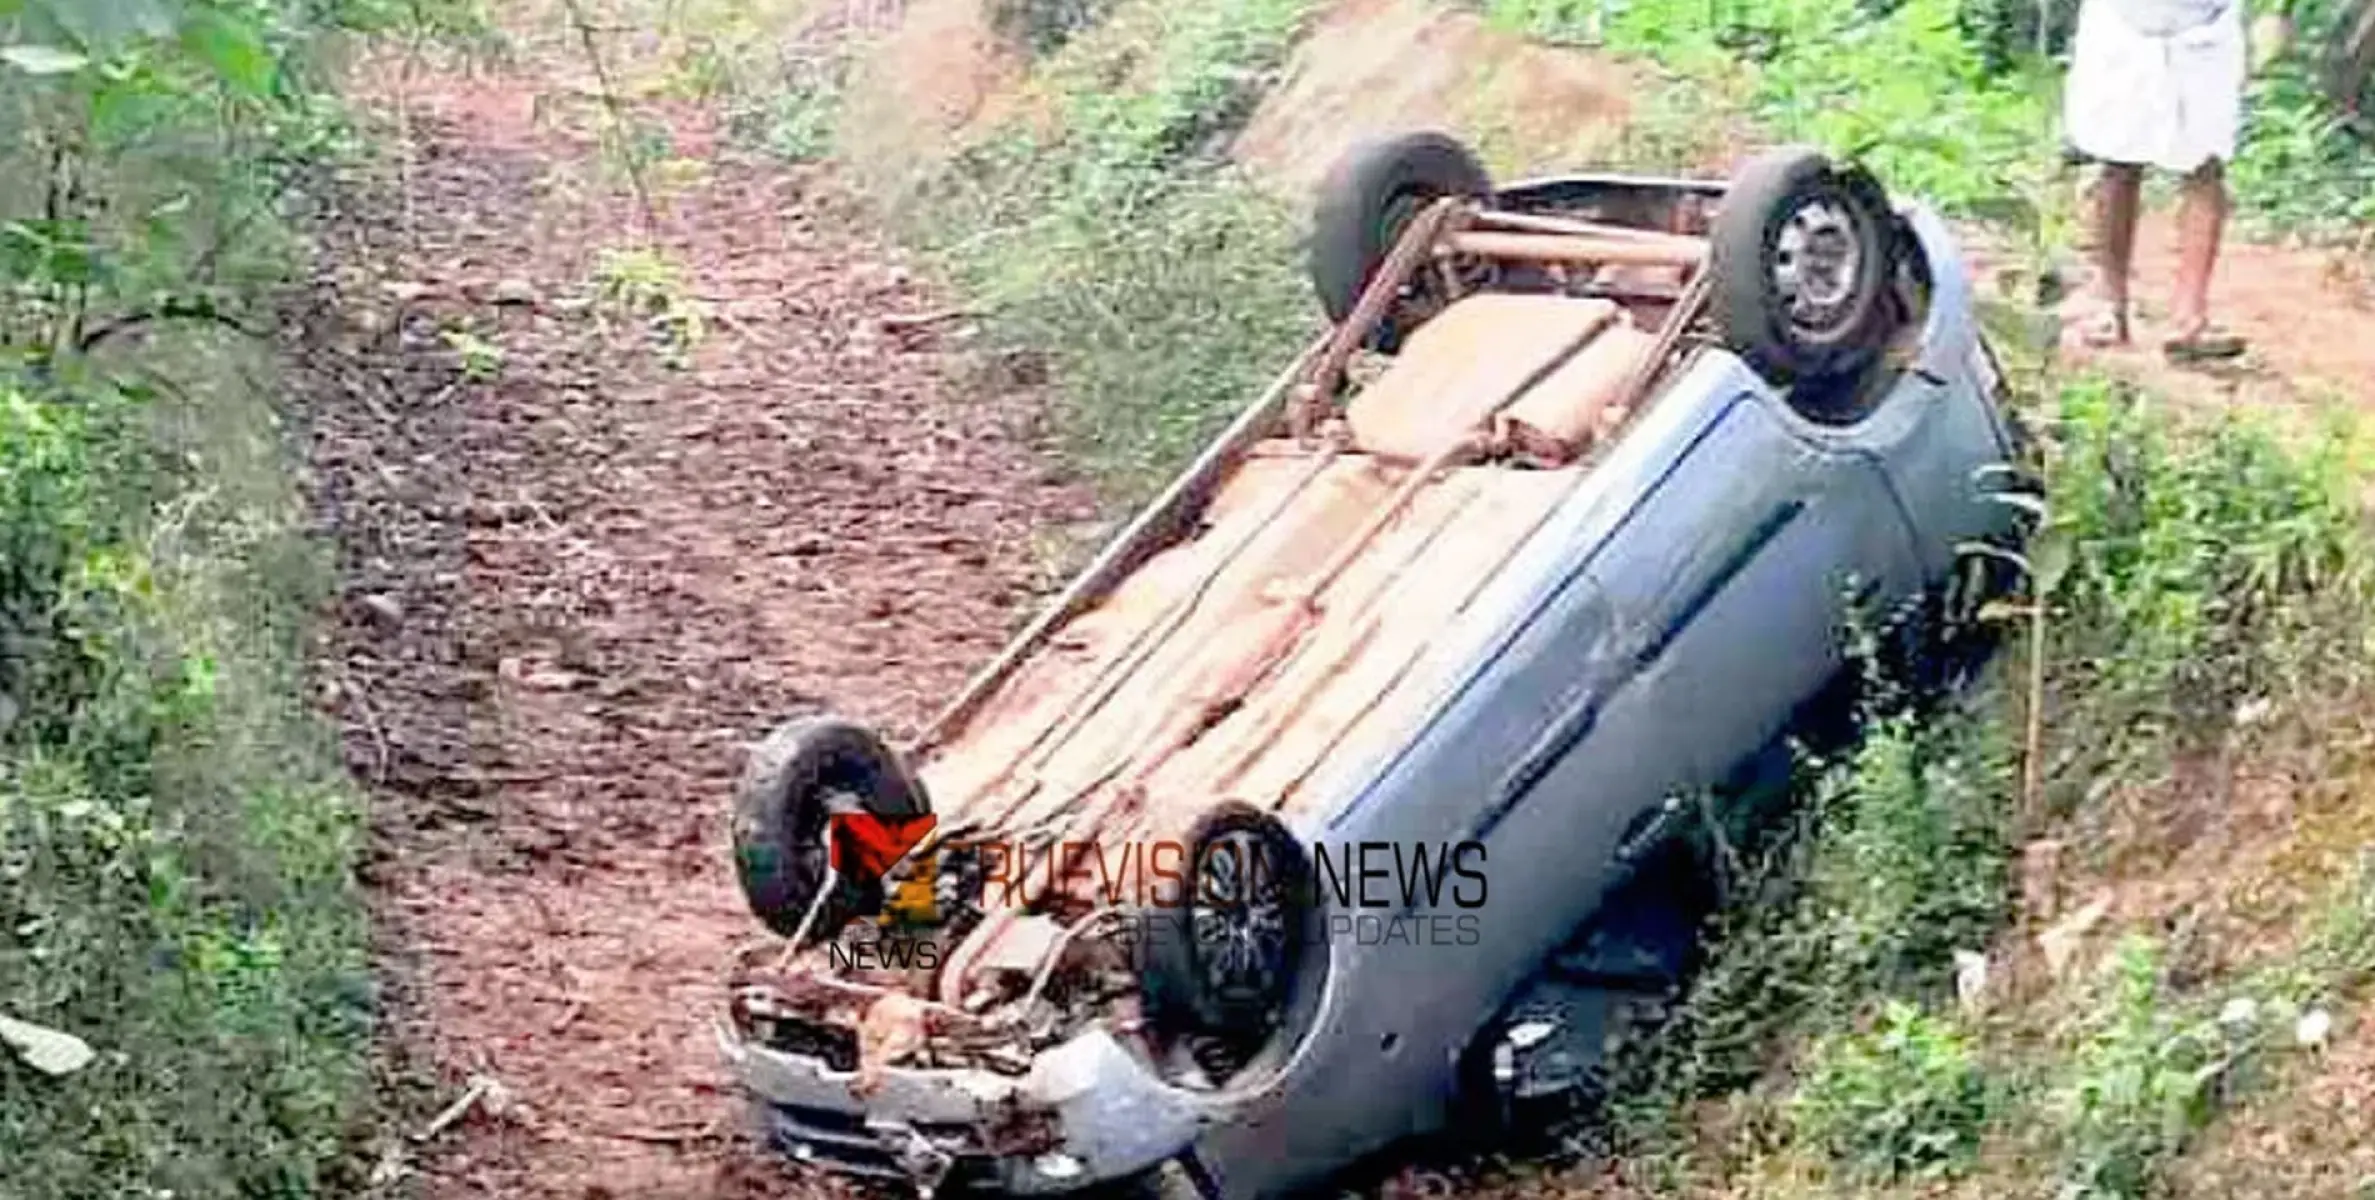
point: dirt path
(2307, 314)
(577, 586)
(2310, 314)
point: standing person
(2158, 83)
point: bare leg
(2201, 219)
(2118, 193)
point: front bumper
(1086, 1112)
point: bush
(1950, 100)
(176, 837)
(1896, 859)
(1160, 290)
(1044, 26)
(2141, 1081)
(1905, 1099)
(2206, 568)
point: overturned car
(1336, 801)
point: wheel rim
(1818, 258)
(1241, 921)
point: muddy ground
(576, 585)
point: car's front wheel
(1224, 967)
(804, 774)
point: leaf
(236, 51)
(46, 1050)
(43, 60)
(103, 25)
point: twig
(371, 725)
(903, 321)
(668, 1137)
(2033, 738)
(618, 119)
(479, 1087)
(569, 1015)
(1734, 870)
(202, 268)
(170, 310)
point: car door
(1743, 570)
(1720, 602)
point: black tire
(1364, 204)
(803, 773)
(1248, 879)
(1790, 210)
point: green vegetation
(1951, 100)
(1831, 72)
(2139, 1079)
(1903, 1100)
(176, 835)
(2303, 166)
(641, 285)
(2207, 585)
(1112, 242)
(1844, 936)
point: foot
(2106, 329)
(2200, 340)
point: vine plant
(160, 139)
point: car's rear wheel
(1368, 199)
(1225, 962)
(804, 773)
(1803, 256)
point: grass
(1111, 248)
(1827, 72)
(177, 838)
(2300, 168)
(1904, 1099)
(175, 827)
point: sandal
(2208, 343)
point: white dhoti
(2166, 99)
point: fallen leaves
(2061, 941)
(50, 1051)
